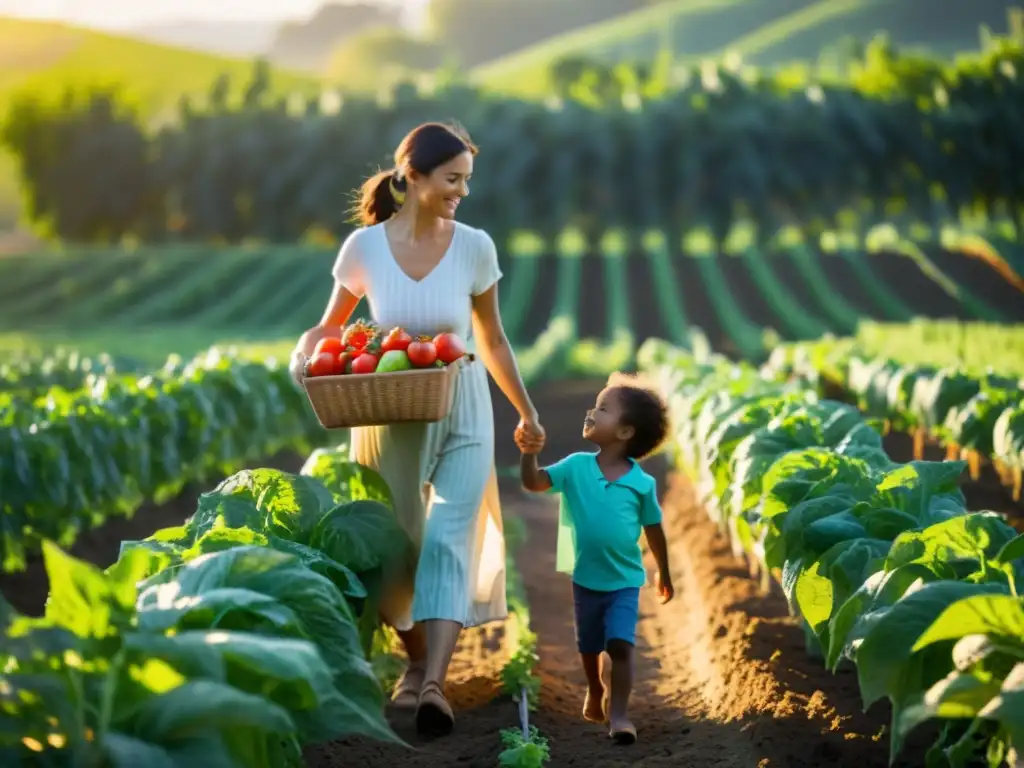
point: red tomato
(331, 345)
(364, 363)
(449, 347)
(422, 352)
(358, 335)
(323, 364)
(397, 339)
(343, 363)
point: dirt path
(474, 691)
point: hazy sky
(119, 14)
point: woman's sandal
(624, 734)
(407, 691)
(434, 716)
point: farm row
(881, 560)
(954, 385)
(550, 298)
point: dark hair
(644, 411)
(424, 148)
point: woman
(420, 269)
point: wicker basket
(371, 399)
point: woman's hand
(530, 435)
(297, 367)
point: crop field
(300, 546)
(155, 301)
(184, 474)
(825, 284)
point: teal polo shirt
(600, 523)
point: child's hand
(529, 438)
(663, 584)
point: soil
(922, 294)
(697, 302)
(592, 318)
(645, 315)
(983, 282)
(722, 677)
(542, 300)
(746, 293)
(843, 280)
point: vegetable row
(77, 457)
(977, 414)
(230, 641)
(885, 566)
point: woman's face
(441, 192)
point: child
(606, 499)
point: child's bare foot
(622, 731)
(595, 706)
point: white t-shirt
(441, 301)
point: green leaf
(82, 599)
(361, 535)
(957, 696)
(287, 505)
(202, 705)
(1007, 708)
(218, 511)
(223, 608)
(1000, 616)
(879, 590)
(975, 537)
(927, 490)
(888, 645)
(1013, 550)
(123, 751)
(342, 577)
(345, 479)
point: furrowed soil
(722, 676)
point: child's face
(603, 423)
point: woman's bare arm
(496, 352)
(339, 309)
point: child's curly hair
(644, 410)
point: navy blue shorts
(605, 616)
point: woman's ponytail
(376, 199)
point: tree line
(904, 136)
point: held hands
(663, 585)
(530, 436)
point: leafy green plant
(929, 379)
(257, 605)
(214, 665)
(355, 544)
(881, 560)
(79, 457)
(523, 752)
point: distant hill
(224, 38)
(765, 32)
(48, 56)
(307, 45)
